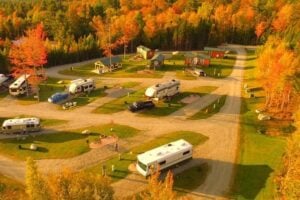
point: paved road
(219, 151)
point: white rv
(22, 125)
(164, 156)
(163, 90)
(81, 85)
(3, 78)
(20, 86)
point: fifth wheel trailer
(163, 90)
(164, 156)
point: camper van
(81, 85)
(20, 86)
(163, 90)
(164, 157)
(22, 125)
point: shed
(108, 64)
(157, 61)
(215, 52)
(145, 52)
(197, 59)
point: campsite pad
(104, 142)
(190, 99)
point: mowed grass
(11, 189)
(191, 178)
(130, 69)
(223, 67)
(129, 157)
(260, 155)
(211, 109)
(63, 144)
(162, 108)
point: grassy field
(130, 69)
(191, 178)
(222, 66)
(260, 155)
(10, 189)
(162, 108)
(61, 145)
(210, 110)
(121, 166)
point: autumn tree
(35, 185)
(158, 189)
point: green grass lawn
(162, 108)
(191, 178)
(63, 144)
(210, 110)
(3, 94)
(129, 69)
(222, 66)
(11, 189)
(121, 166)
(260, 155)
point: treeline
(78, 30)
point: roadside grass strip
(62, 144)
(129, 157)
(211, 109)
(260, 155)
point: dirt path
(219, 151)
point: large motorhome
(20, 86)
(22, 125)
(81, 85)
(163, 90)
(164, 157)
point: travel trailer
(19, 86)
(81, 85)
(164, 157)
(22, 125)
(3, 78)
(163, 90)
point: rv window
(28, 126)
(8, 127)
(32, 125)
(142, 165)
(3, 127)
(91, 86)
(186, 152)
(86, 87)
(162, 162)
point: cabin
(108, 64)
(157, 61)
(193, 60)
(164, 157)
(19, 86)
(22, 125)
(215, 52)
(145, 52)
(163, 90)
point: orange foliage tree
(28, 55)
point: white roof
(3, 78)
(164, 151)
(81, 81)
(21, 121)
(164, 85)
(19, 81)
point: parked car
(57, 97)
(139, 105)
(199, 72)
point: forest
(79, 30)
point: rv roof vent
(159, 153)
(173, 80)
(157, 85)
(169, 145)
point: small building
(145, 52)
(215, 52)
(197, 60)
(157, 61)
(108, 64)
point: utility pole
(109, 43)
